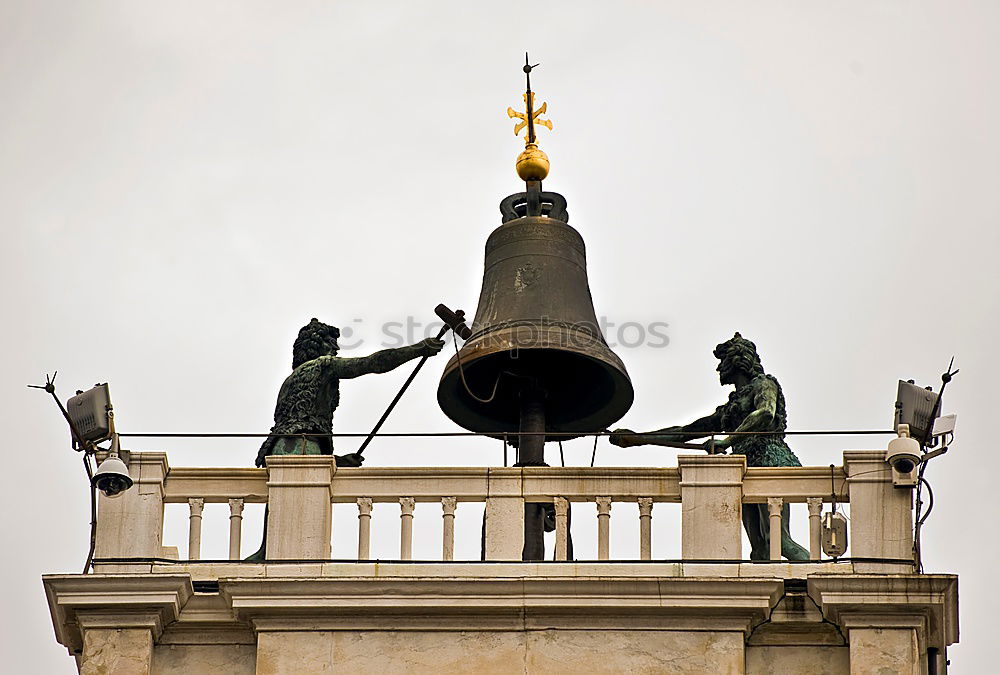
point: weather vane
(532, 164)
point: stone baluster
(235, 527)
(131, 525)
(300, 513)
(881, 514)
(711, 506)
(645, 528)
(561, 505)
(815, 505)
(448, 505)
(603, 527)
(364, 528)
(774, 505)
(406, 505)
(196, 505)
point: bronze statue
(757, 405)
(310, 395)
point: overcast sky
(184, 184)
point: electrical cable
(930, 506)
(446, 434)
(465, 384)
(93, 513)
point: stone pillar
(881, 515)
(235, 527)
(645, 528)
(364, 528)
(815, 505)
(406, 505)
(131, 525)
(448, 505)
(711, 506)
(885, 643)
(504, 528)
(196, 507)
(119, 644)
(561, 505)
(774, 505)
(300, 512)
(603, 527)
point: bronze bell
(535, 329)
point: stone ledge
(492, 603)
(212, 571)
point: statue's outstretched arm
(381, 361)
(670, 435)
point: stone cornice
(113, 600)
(492, 603)
(882, 600)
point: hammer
(453, 320)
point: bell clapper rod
(453, 321)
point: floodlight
(916, 407)
(90, 414)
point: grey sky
(184, 184)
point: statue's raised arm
(303, 415)
(383, 361)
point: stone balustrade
(300, 611)
(300, 491)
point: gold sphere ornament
(532, 164)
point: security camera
(904, 456)
(112, 477)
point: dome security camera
(112, 477)
(904, 456)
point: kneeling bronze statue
(757, 405)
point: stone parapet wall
(523, 617)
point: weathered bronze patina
(757, 405)
(535, 322)
(310, 395)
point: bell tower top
(532, 164)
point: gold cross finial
(529, 102)
(530, 117)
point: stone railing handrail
(577, 484)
